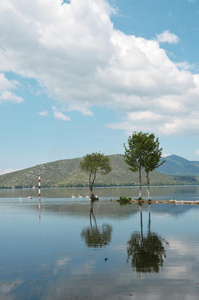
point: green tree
(153, 157)
(135, 154)
(143, 152)
(92, 164)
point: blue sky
(80, 76)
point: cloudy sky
(81, 76)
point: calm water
(70, 250)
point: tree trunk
(92, 196)
(148, 187)
(90, 186)
(140, 183)
(91, 192)
(91, 182)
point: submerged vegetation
(124, 200)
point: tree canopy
(153, 157)
(143, 152)
(95, 163)
(135, 154)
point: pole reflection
(39, 210)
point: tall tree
(135, 154)
(143, 152)
(92, 164)
(153, 157)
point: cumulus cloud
(43, 113)
(59, 115)
(73, 50)
(5, 83)
(184, 65)
(5, 94)
(167, 37)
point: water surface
(67, 249)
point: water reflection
(39, 210)
(95, 236)
(148, 252)
(92, 213)
(47, 262)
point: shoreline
(172, 201)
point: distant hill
(176, 165)
(67, 173)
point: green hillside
(176, 165)
(67, 173)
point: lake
(70, 248)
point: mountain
(176, 165)
(67, 173)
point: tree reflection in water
(94, 236)
(147, 252)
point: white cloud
(184, 65)
(197, 152)
(5, 94)
(59, 115)
(8, 96)
(5, 83)
(167, 37)
(165, 155)
(163, 124)
(82, 61)
(43, 113)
